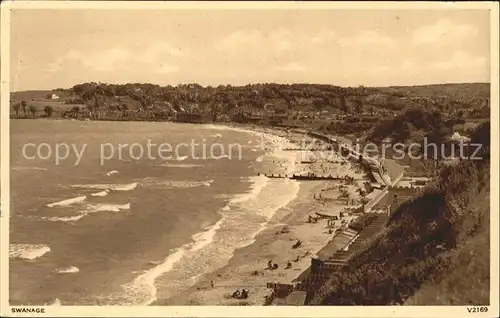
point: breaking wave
(110, 187)
(28, 168)
(56, 302)
(88, 209)
(112, 172)
(186, 165)
(68, 201)
(63, 218)
(27, 251)
(155, 182)
(67, 270)
(181, 158)
(100, 194)
(92, 208)
(214, 247)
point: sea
(102, 228)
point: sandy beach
(248, 268)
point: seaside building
(387, 191)
(333, 257)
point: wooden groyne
(275, 176)
(315, 177)
(305, 177)
(308, 149)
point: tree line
(302, 102)
(31, 109)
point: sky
(58, 48)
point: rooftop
(338, 242)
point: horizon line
(256, 83)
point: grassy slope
(39, 100)
(456, 90)
(28, 96)
(411, 125)
(467, 281)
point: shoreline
(156, 277)
(247, 267)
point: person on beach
(212, 284)
(236, 294)
(244, 294)
(298, 244)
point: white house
(54, 96)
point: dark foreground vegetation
(434, 250)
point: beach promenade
(312, 235)
(354, 232)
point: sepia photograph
(196, 158)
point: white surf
(68, 201)
(27, 251)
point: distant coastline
(330, 108)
